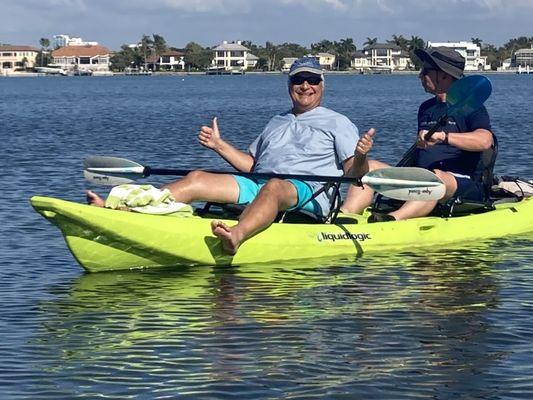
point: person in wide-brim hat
(444, 59)
(453, 152)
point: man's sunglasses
(299, 80)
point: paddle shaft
(252, 175)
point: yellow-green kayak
(104, 240)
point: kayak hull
(102, 239)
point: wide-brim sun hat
(444, 58)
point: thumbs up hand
(210, 136)
(365, 142)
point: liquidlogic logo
(332, 237)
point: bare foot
(230, 243)
(94, 200)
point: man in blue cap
(308, 139)
(453, 152)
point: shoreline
(202, 73)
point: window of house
(237, 54)
(7, 54)
(165, 59)
(85, 60)
(220, 62)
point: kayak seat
(456, 206)
(233, 211)
(461, 205)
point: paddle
(407, 183)
(465, 96)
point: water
(443, 323)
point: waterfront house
(15, 57)
(326, 60)
(523, 57)
(381, 57)
(83, 59)
(167, 61)
(251, 60)
(360, 62)
(286, 63)
(232, 58)
(471, 52)
(387, 57)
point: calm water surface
(445, 323)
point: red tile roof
(81, 51)
(11, 47)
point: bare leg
(277, 195)
(94, 200)
(414, 209)
(358, 198)
(199, 185)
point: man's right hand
(365, 142)
(210, 136)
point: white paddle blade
(105, 180)
(406, 183)
(111, 171)
(422, 193)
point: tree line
(198, 58)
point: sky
(209, 22)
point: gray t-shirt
(316, 142)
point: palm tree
(271, 52)
(370, 41)
(146, 48)
(399, 41)
(477, 41)
(45, 43)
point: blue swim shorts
(249, 188)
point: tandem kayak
(104, 240)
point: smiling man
(308, 139)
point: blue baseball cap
(305, 64)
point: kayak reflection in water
(453, 153)
(307, 139)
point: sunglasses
(299, 80)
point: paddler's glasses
(299, 80)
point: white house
(82, 58)
(326, 60)
(286, 63)
(523, 57)
(168, 61)
(66, 40)
(232, 57)
(474, 61)
(381, 57)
